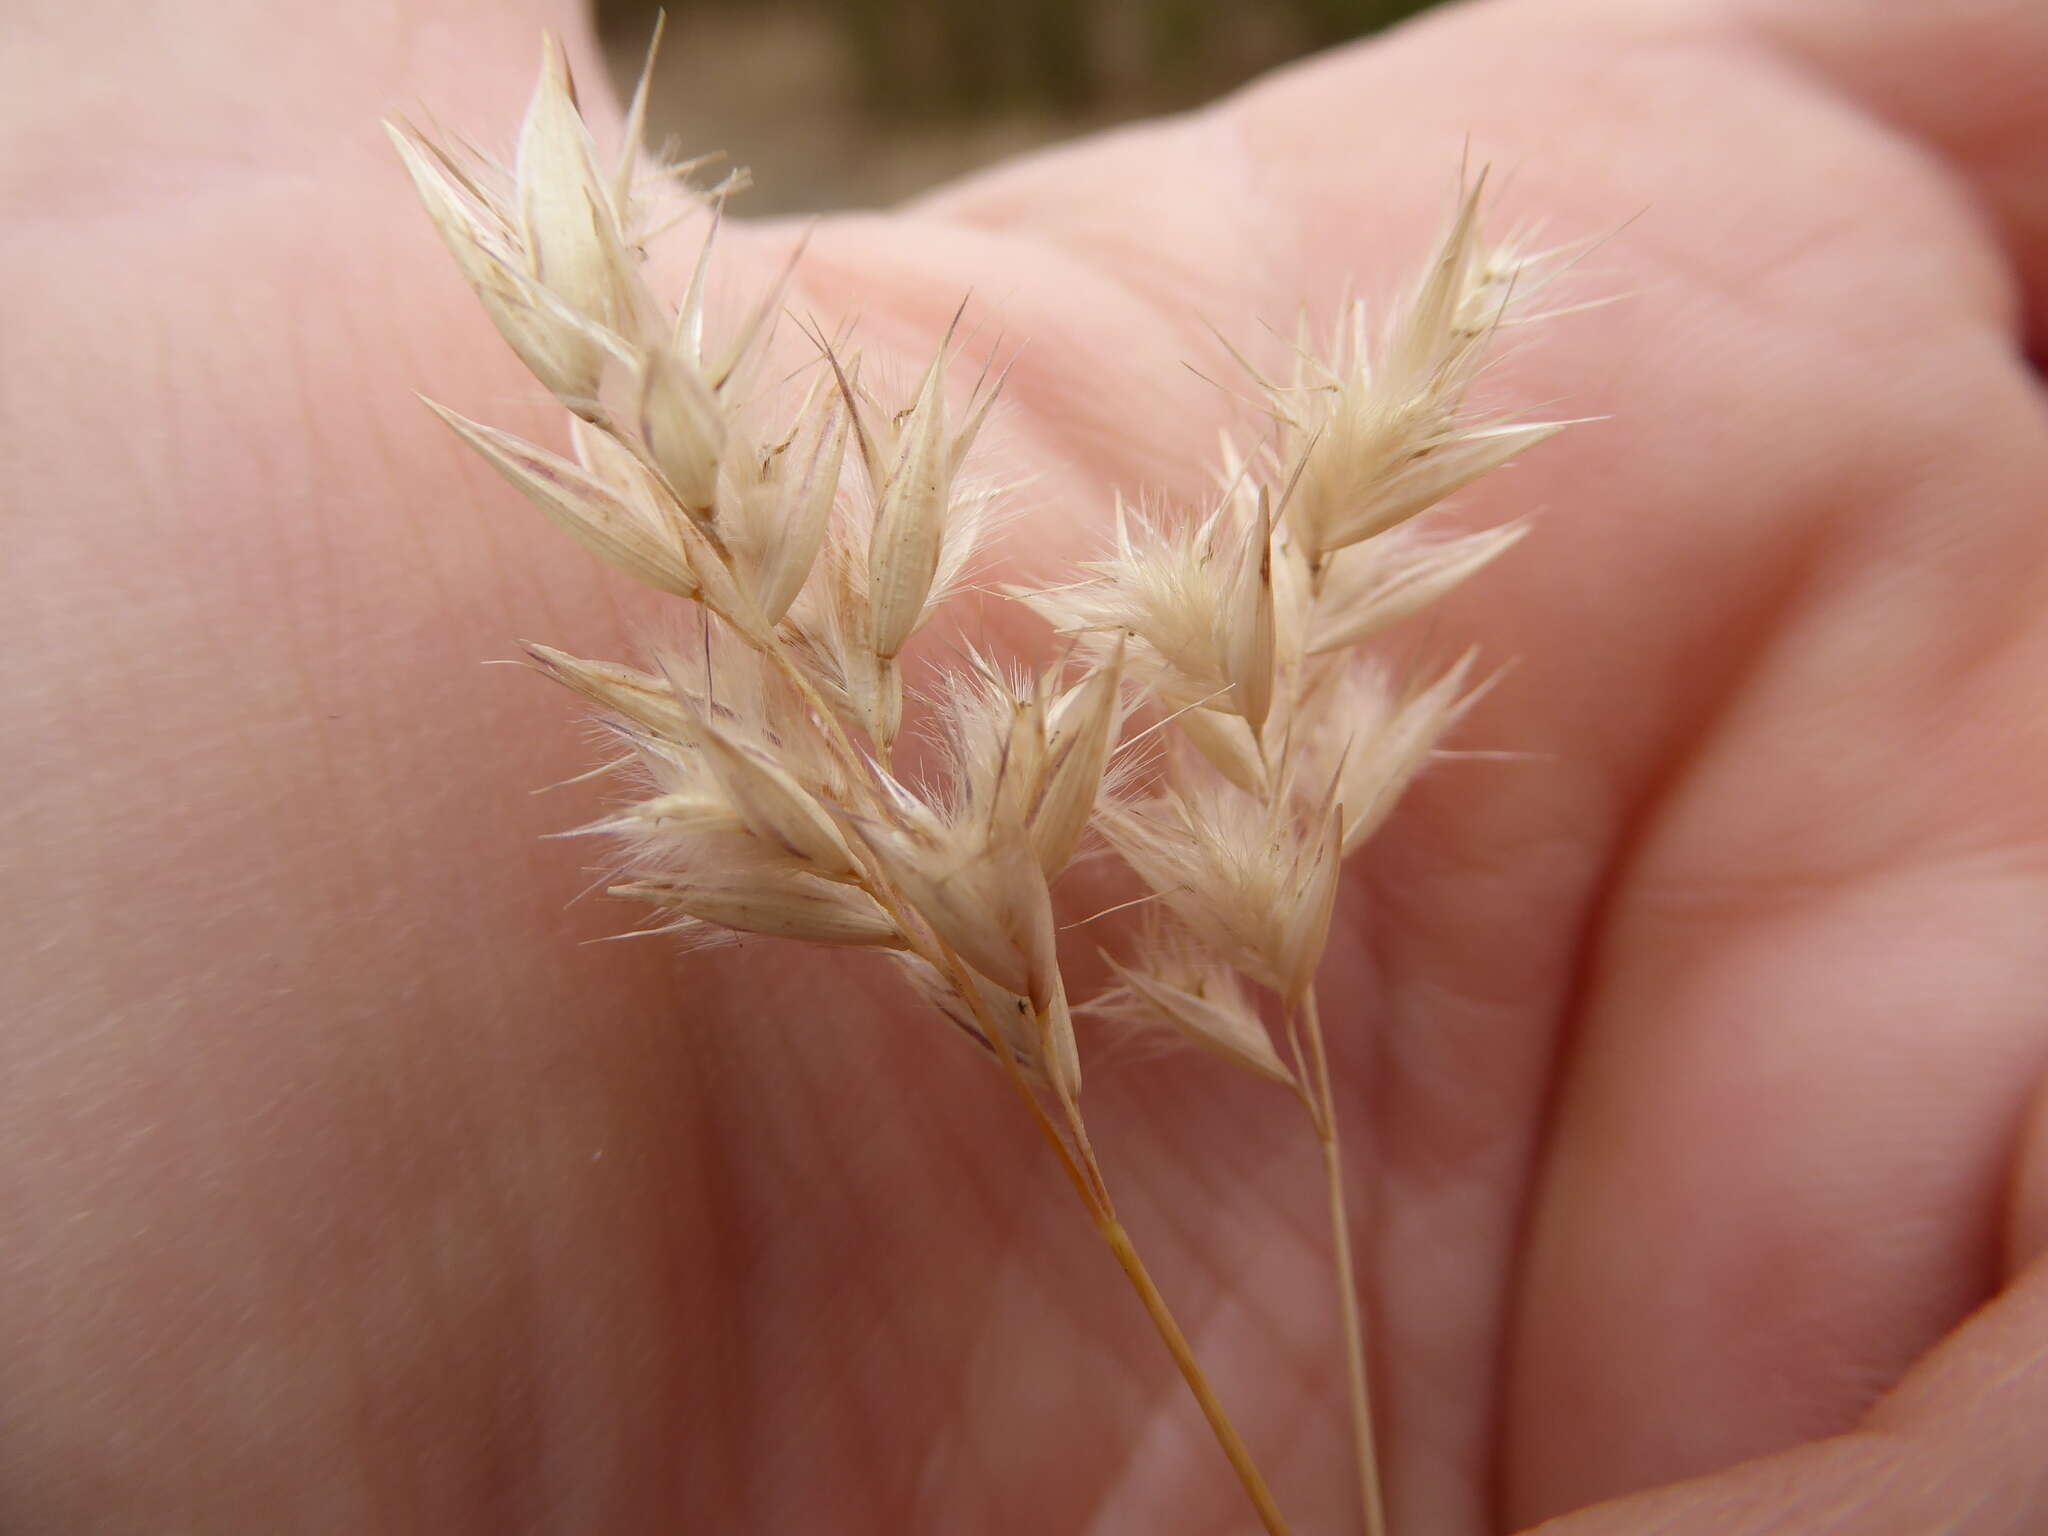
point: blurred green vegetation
(859, 103)
(959, 57)
(938, 59)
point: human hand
(1690, 1063)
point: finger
(1963, 80)
(1819, 997)
(1955, 1448)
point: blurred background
(853, 103)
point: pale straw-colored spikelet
(1016, 1032)
(711, 894)
(1031, 751)
(1375, 431)
(1372, 736)
(892, 545)
(1172, 980)
(981, 890)
(638, 698)
(976, 853)
(572, 231)
(1081, 727)
(768, 800)
(912, 476)
(1193, 605)
(781, 502)
(1226, 742)
(1246, 875)
(1161, 584)
(926, 520)
(551, 245)
(648, 547)
(690, 405)
(1251, 653)
(1373, 586)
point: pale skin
(1691, 1066)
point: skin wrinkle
(1495, 1319)
(1103, 1359)
(1139, 1387)
(1225, 1273)
(1846, 583)
(983, 1374)
(1438, 1162)
(723, 1151)
(442, 593)
(1102, 1512)
(573, 1363)
(296, 651)
(1979, 1356)
(891, 1339)
(1281, 1441)
(1235, 1271)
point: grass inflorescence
(1210, 714)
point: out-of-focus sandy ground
(859, 103)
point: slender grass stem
(1323, 1111)
(1191, 1371)
(1077, 1161)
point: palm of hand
(1686, 1061)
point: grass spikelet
(1172, 981)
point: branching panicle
(816, 540)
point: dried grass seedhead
(1286, 747)
(818, 526)
(765, 794)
